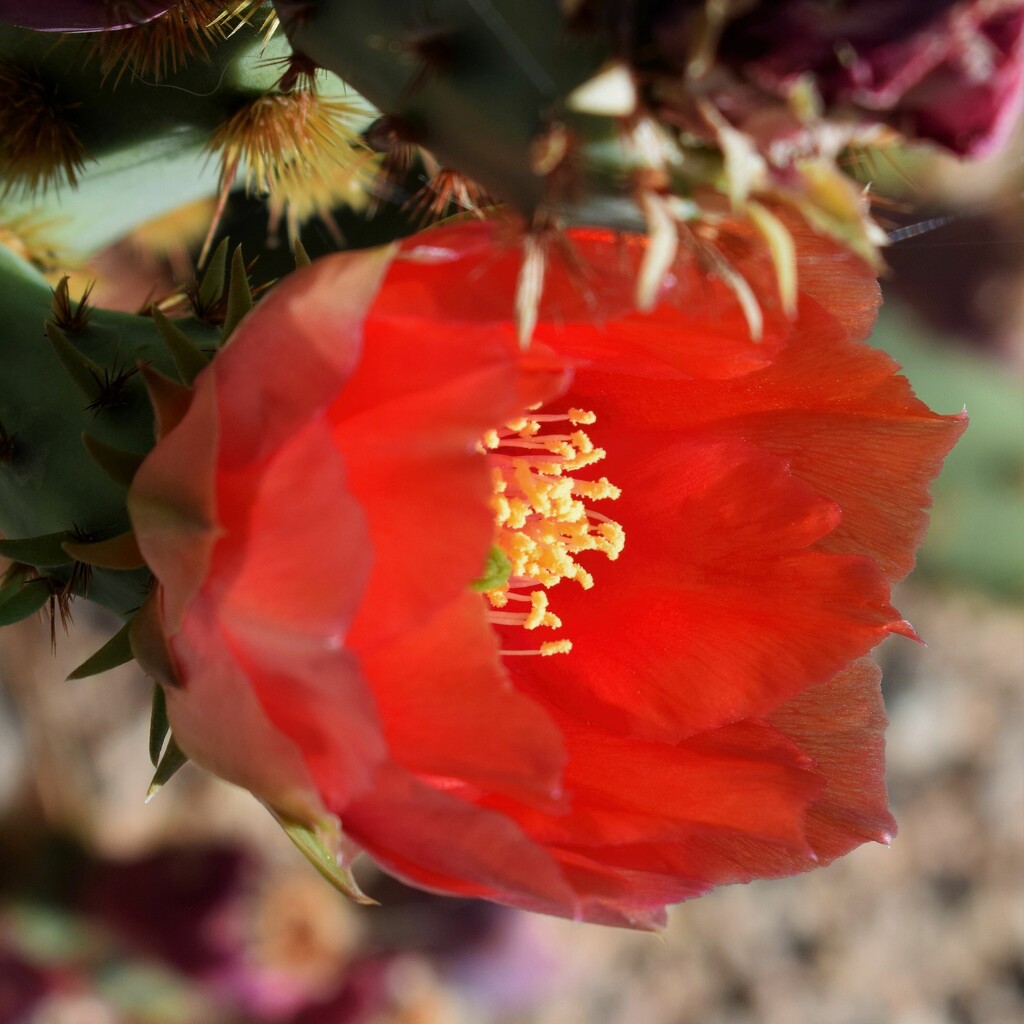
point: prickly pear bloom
(578, 627)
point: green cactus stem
(93, 154)
(477, 84)
(76, 420)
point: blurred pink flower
(951, 71)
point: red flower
(321, 517)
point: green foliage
(53, 491)
(21, 597)
(324, 848)
(116, 651)
(477, 85)
(142, 141)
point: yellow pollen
(542, 516)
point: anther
(541, 520)
(545, 650)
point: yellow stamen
(545, 650)
(541, 521)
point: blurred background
(195, 909)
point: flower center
(542, 519)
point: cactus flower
(578, 627)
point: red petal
(407, 425)
(851, 426)
(840, 283)
(842, 727)
(294, 555)
(835, 409)
(448, 709)
(219, 722)
(439, 842)
(622, 897)
(284, 363)
(749, 780)
(172, 504)
(651, 825)
(720, 608)
(290, 357)
(314, 694)
(468, 273)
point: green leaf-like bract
(496, 571)
(116, 651)
(309, 840)
(21, 599)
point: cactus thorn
(530, 285)
(555, 155)
(58, 604)
(78, 581)
(432, 48)
(301, 256)
(113, 387)
(70, 317)
(782, 250)
(164, 44)
(41, 148)
(300, 73)
(104, 387)
(545, 238)
(549, 148)
(299, 149)
(446, 188)
(610, 93)
(662, 247)
(237, 13)
(713, 260)
(397, 139)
